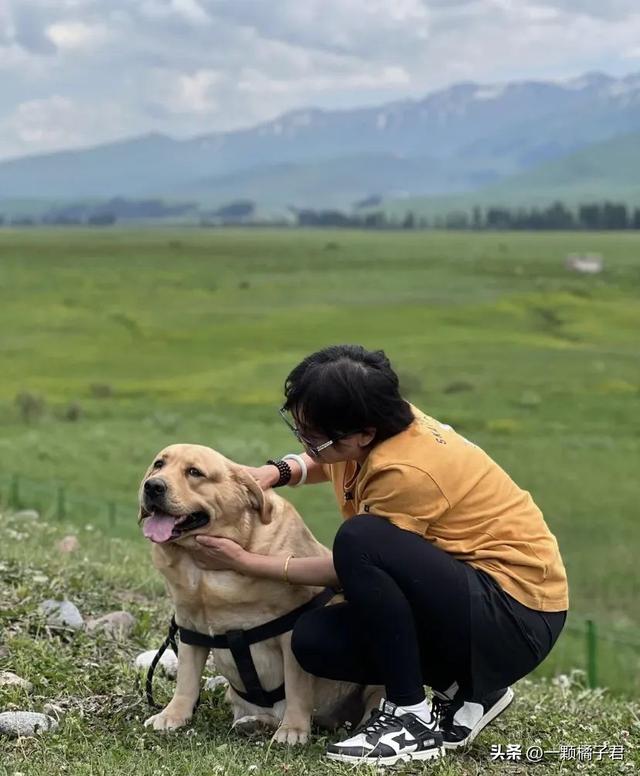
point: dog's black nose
(155, 487)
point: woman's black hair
(343, 389)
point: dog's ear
(141, 512)
(256, 495)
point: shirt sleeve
(407, 496)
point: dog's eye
(158, 464)
(193, 472)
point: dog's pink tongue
(158, 528)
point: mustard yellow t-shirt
(431, 480)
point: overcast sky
(81, 72)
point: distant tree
(457, 219)
(521, 219)
(635, 223)
(590, 216)
(375, 220)
(498, 218)
(476, 218)
(409, 221)
(241, 210)
(615, 216)
(63, 220)
(102, 219)
(557, 216)
(326, 218)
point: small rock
(168, 662)
(213, 682)
(25, 723)
(9, 679)
(26, 514)
(4, 652)
(68, 544)
(62, 614)
(118, 625)
(53, 710)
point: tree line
(596, 215)
(604, 215)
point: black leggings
(415, 615)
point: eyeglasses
(314, 450)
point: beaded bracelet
(285, 472)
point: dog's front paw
(287, 734)
(166, 720)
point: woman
(451, 577)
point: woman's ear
(367, 435)
(255, 493)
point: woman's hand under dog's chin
(218, 554)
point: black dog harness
(239, 642)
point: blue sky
(82, 72)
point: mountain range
(466, 138)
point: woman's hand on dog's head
(266, 476)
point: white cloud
(192, 93)
(76, 35)
(190, 10)
(56, 122)
(45, 123)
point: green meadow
(116, 343)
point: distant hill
(607, 170)
(454, 140)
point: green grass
(94, 687)
(193, 333)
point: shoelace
(441, 708)
(375, 722)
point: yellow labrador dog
(192, 489)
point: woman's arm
(300, 571)
(218, 554)
(268, 475)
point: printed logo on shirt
(437, 435)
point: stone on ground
(118, 625)
(9, 679)
(168, 662)
(25, 723)
(26, 514)
(62, 614)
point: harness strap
(239, 642)
(253, 689)
(169, 641)
(260, 632)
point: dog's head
(191, 488)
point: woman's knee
(355, 538)
(305, 642)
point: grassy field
(91, 683)
(115, 343)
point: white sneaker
(460, 721)
(388, 737)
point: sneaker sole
(493, 712)
(429, 754)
